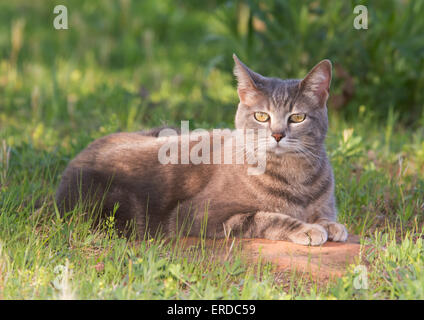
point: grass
(60, 91)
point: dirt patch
(322, 263)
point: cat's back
(117, 155)
(129, 163)
(118, 150)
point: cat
(292, 200)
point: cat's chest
(280, 193)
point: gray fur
(293, 200)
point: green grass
(60, 90)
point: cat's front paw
(310, 235)
(336, 232)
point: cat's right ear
(248, 83)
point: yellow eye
(296, 118)
(261, 116)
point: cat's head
(293, 112)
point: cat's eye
(296, 118)
(261, 116)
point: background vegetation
(126, 65)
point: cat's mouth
(277, 148)
(282, 147)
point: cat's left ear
(316, 84)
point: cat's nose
(278, 136)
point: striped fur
(293, 200)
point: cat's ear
(316, 84)
(248, 87)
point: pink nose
(277, 136)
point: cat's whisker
(305, 149)
(247, 151)
(306, 154)
(302, 153)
